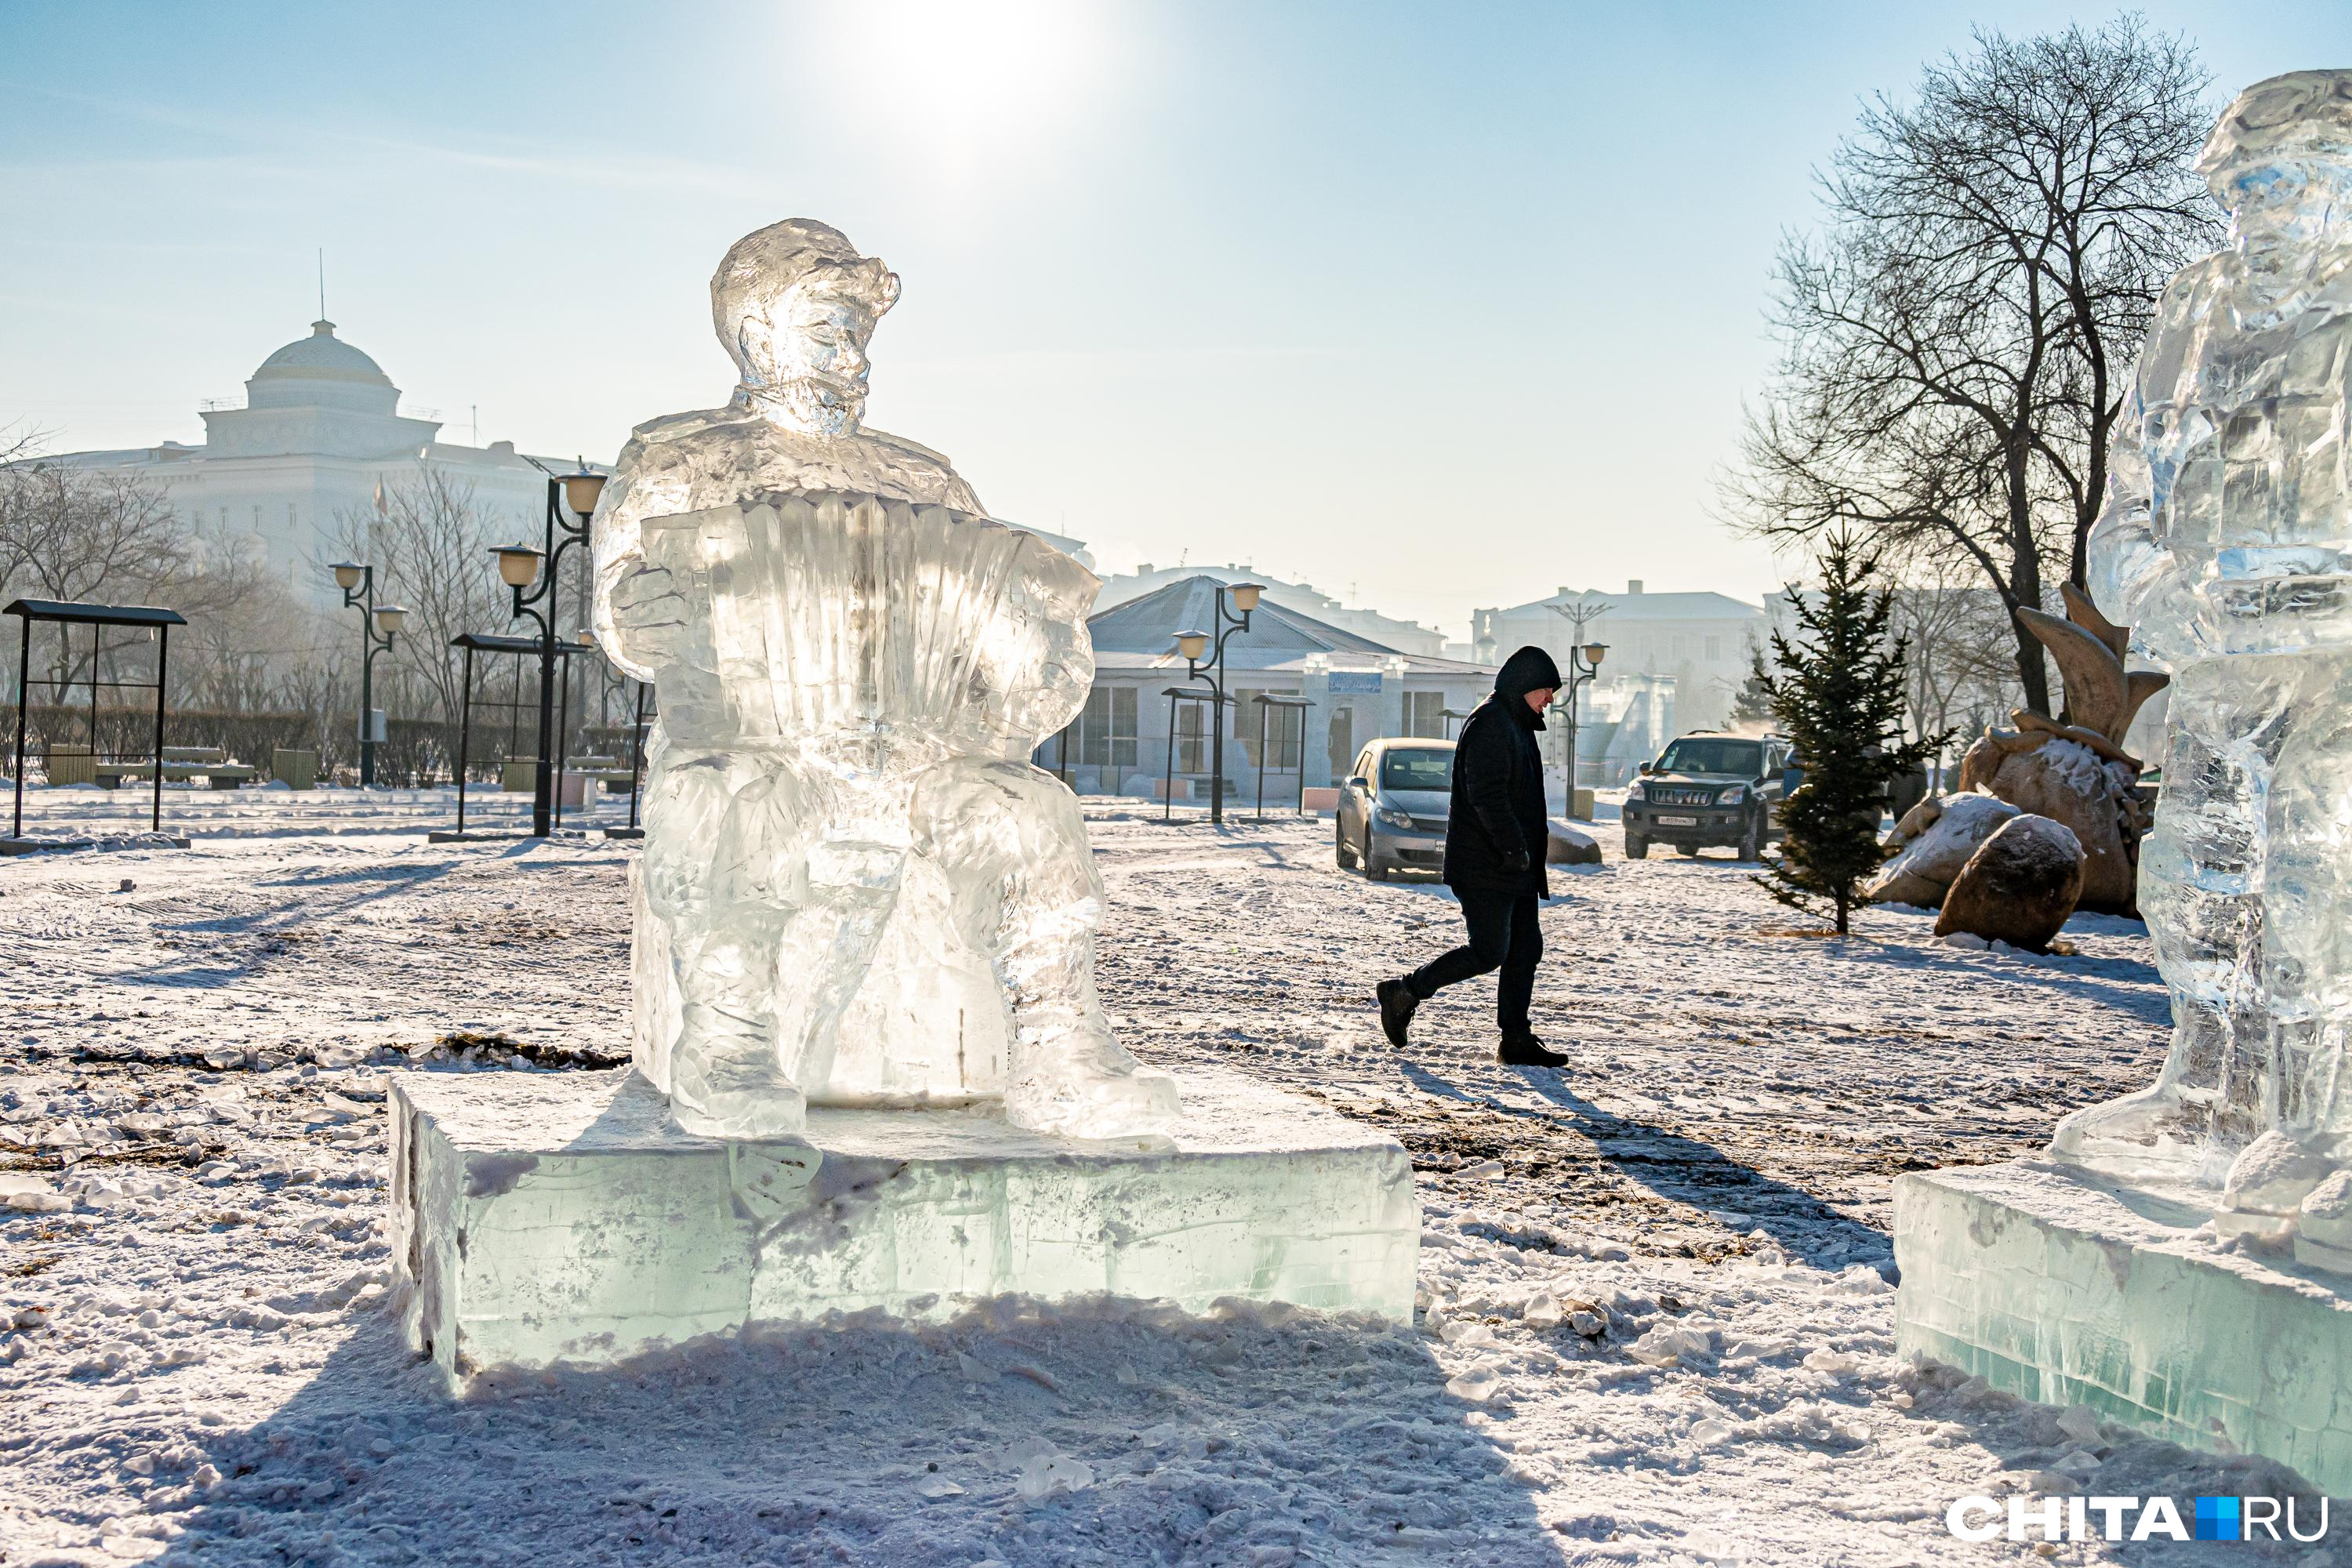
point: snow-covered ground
(1658, 1325)
(87, 810)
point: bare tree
(429, 542)
(1958, 667)
(1957, 338)
(70, 533)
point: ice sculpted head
(2280, 160)
(796, 305)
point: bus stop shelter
(64, 615)
(493, 645)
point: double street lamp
(1584, 668)
(520, 566)
(377, 624)
(1223, 625)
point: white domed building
(321, 429)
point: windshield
(1743, 759)
(1417, 770)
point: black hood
(1523, 672)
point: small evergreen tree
(1753, 703)
(1838, 698)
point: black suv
(1708, 791)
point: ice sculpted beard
(804, 365)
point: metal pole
(1262, 711)
(636, 752)
(1168, 774)
(1217, 747)
(24, 669)
(543, 774)
(465, 731)
(562, 738)
(1302, 758)
(367, 681)
(162, 663)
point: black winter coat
(1497, 813)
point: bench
(181, 764)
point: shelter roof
(94, 614)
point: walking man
(1495, 844)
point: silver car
(1394, 809)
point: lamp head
(1594, 652)
(1193, 645)
(1245, 595)
(581, 490)
(519, 565)
(347, 574)
(388, 619)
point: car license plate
(1678, 821)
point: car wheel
(1636, 846)
(1690, 851)
(1345, 856)
(1751, 841)
(1373, 869)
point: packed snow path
(1658, 1325)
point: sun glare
(955, 81)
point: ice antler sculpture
(856, 889)
(2224, 542)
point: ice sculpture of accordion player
(855, 889)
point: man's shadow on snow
(873, 1441)
(1686, 1171)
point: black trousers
(1505, 935)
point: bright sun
(961, 80)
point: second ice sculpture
(855, 889)
(2225, 540)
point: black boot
(1397, 1002)
(1524, 1050)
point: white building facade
(1356, 690)
(284, 477)
(1700, 642)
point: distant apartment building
(1699, 641)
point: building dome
(321, 371)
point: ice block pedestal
(564, 1216)
(2056, 1289)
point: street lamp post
(1583, 667)
(377, 624)
(519, 566)
(1223, 623)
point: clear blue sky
(1440, 305)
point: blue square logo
(2217, 1519)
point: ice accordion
(855, 889)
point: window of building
(1281, 726)
(1682, 649)
(1105, 728)
(289, 517)
(1424, 714)
(1715, 650)
(1191, 737)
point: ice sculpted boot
(1068, 1075)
